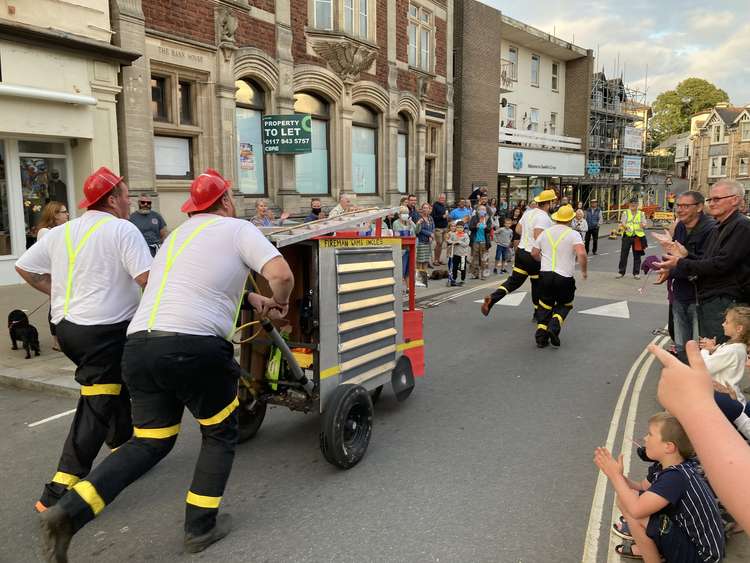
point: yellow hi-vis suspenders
(168, 266)
(73, 254)
(555, 244)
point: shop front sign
(513, 161)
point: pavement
(488, 460)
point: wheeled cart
(348, 332)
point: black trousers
(592, 234)
(103, 410)
(556, 295)
(165, 374)
(627, 244)
(711, 313)
(459, 266)
(524, 267)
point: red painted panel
(413, 331)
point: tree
(673, 108)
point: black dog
(20, 329)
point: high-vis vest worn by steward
(633, 224)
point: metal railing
(508, 73)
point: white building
(545, 85)
(58, 84)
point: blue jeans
(685, 318)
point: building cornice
(60, 40)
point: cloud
(686, 40)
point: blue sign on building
(517, 160)
(593, 167)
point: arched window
(364, 151)
(250, 103)
(311, 169)
(402, 158)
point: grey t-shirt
(504, 236)
(150, 224)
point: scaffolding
(618, 112)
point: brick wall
(299, 47)
(267, 5)
(578, 76)
(191, 19)
(476, 96)
(381, 63)
(441, 45)
(252, 32)
(402, 40)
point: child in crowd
(459, 240)
(449, 250)
(726, 362)
(672, 513)
(404, 227)
(503, 238)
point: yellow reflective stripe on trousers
(543, 304)
(90, 496)
(555, 244)
(170, 263)
(202, 501)
(73, 254)
(156, 433)
(221, 415)
(101, 389)
(65, 479)
(520, 271)
(559, 318)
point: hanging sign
(287, 134)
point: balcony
(508, 76)
(540, 140)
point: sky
(675, 39)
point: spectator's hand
(667, 263)
(725, 389)
(607, 463)
(664, 239)
(707, 344)
(661, 277)
(677, 249)
(683, 388)
(284, 216)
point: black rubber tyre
(375, 394)
(346, 426)
(402, 379)
(249, 420)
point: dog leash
(40, 306)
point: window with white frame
(552, 123)
(420, 34)
(745, 130)
(555, 77)
(349, 16)
(513, 59)
(744, 169)
(717, 134)
(533, 120)
(362, 31)
(718, 167)
(510, 110)
(324, 14)
(535, 62)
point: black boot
(196, 544)
(554, 333)
(57, 531)
(542, 338)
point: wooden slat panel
(365, 303)
(364, 321)
(366, 339)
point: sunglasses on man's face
(144, 203)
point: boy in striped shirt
(673, 513)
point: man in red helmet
(92, 268)
(178, 355)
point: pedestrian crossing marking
(618, 310)
(512, 300)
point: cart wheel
(402, 379)
(250, 418)
(347, 426)
(375, 394)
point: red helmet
(205, 190)
(96, 186)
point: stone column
(421, 147)
(225, 148)
(347, 116)
(284, 192)
(136, 132)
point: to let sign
(287, 134)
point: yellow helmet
(546, 195)
(565, 214)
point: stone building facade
(59, 82)
(721, 148)
(374, 75)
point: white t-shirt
(207, 278)
(41, 232)
(103, 291)
(532, 219)
(565, 260)
(727, 365)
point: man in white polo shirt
(532, 223)
(178, 355)
(92, 268)
(557, 249)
